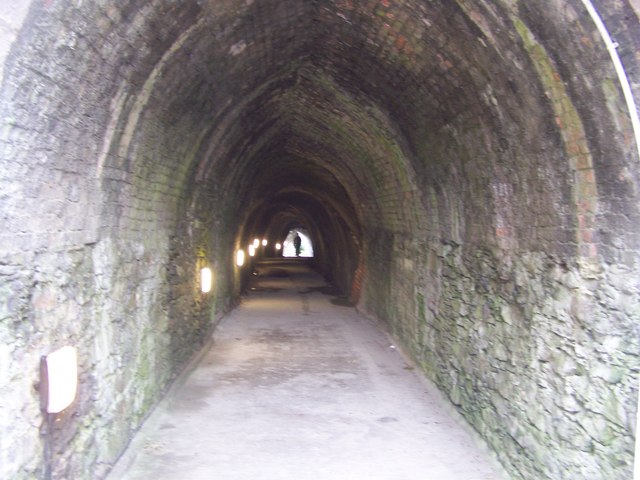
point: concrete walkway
(296, 386)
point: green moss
(422, 313)
(143, 369)
(568, 120)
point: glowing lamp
(205, 280)
(59, 379)
(256, 243)
(264, 243)
(240, 258)
(252, 250)
(278, 246)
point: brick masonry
(466, 169)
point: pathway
(297, 386)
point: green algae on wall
(585, 194)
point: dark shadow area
(274, 272)
(264, 289)
(331, 290)
(343, 302)
(325, 290)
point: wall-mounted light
(58, 390)
(252, 250)
(205, 280)
(278, 246)
(59, 379)
(256, 243)
(240, 258)
(264, 242)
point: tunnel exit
(305, 247)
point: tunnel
(467, 171)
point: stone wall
(528, 350)
(511, 291)
(99, 249)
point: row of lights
(206, 276)
(240, 255)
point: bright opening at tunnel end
(305, 249)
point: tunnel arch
(469, 169)
(290, 192)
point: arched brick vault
(471, 164)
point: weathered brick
(468, 173)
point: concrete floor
(296, 386)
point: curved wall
(468, 170)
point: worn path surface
(297, 386)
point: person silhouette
(297, 242)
